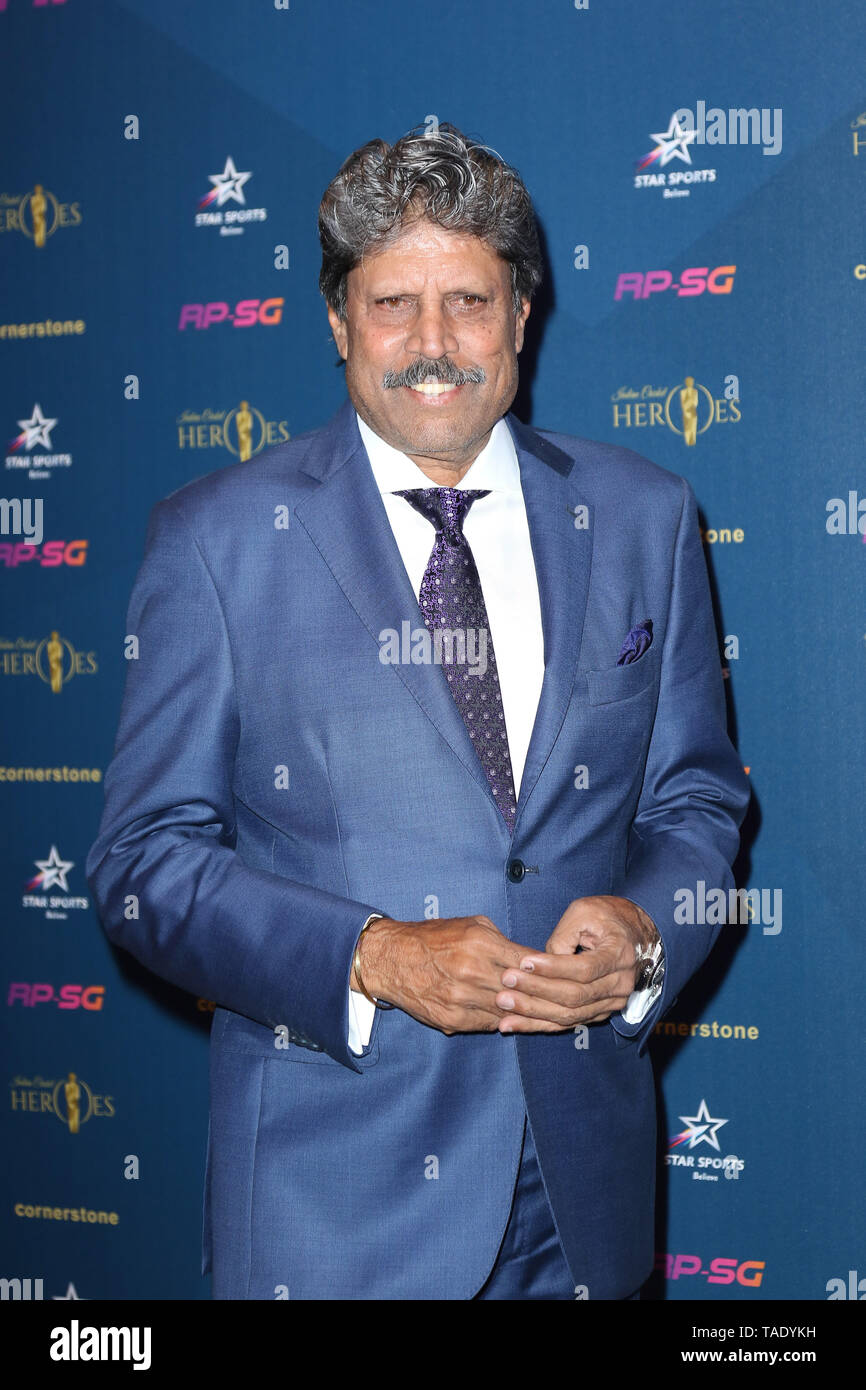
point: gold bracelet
(356, 961)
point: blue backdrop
(699, 176)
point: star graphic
(673, 142)
(53, 870)
(702, 1128)
(229, 184)
(70, 1293)
(37, 430)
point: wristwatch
(650, 974)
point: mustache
(435, 368)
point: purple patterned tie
(452, 601)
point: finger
(551, 1011)
(569, 993)
(586, 967)
(599, 1012)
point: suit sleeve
(168, 881)
(695, 793)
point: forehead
(424, 251)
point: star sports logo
(227, 186)
(702, 1129)
(672, 143)
(215, 208)
(48, 891)
(35, 434)
(52, 873)
(36, 431)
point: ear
(520, 323)
(340, 332)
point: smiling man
(433, 897)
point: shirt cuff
(361, 1015)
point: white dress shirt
(497, 532)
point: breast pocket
(623, 682)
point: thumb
(565, 939)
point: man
(425, 732)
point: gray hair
(442, 175)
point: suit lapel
(347, 522)
(560, 528)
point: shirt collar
(496, 467)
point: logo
(42, 328)
(670, 1029)
(702, 1129)
(71, 1101)
(37, 214)
(246, 313)
(749, 1273)
(70, 1295)
(670, 144)
(641, 284)
(53, 874)
(53, 659)
(722, 535)
(244, 431)
(687, 130)
(89, 997)
(688, 409)
(77, 1343)
(225, 205)
(51, 555)
(35, 434)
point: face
(437, 300)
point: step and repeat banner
(700, 181)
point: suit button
(516, 870)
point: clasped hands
(461, 975)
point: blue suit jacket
(258, 609)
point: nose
(432, 334)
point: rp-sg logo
(66, 997)
(748, 1273)
(246, 313)
(694, 280)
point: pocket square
(636, 643)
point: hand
(444, 973)
(555, 991)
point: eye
(391, 301)
(470, 301)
